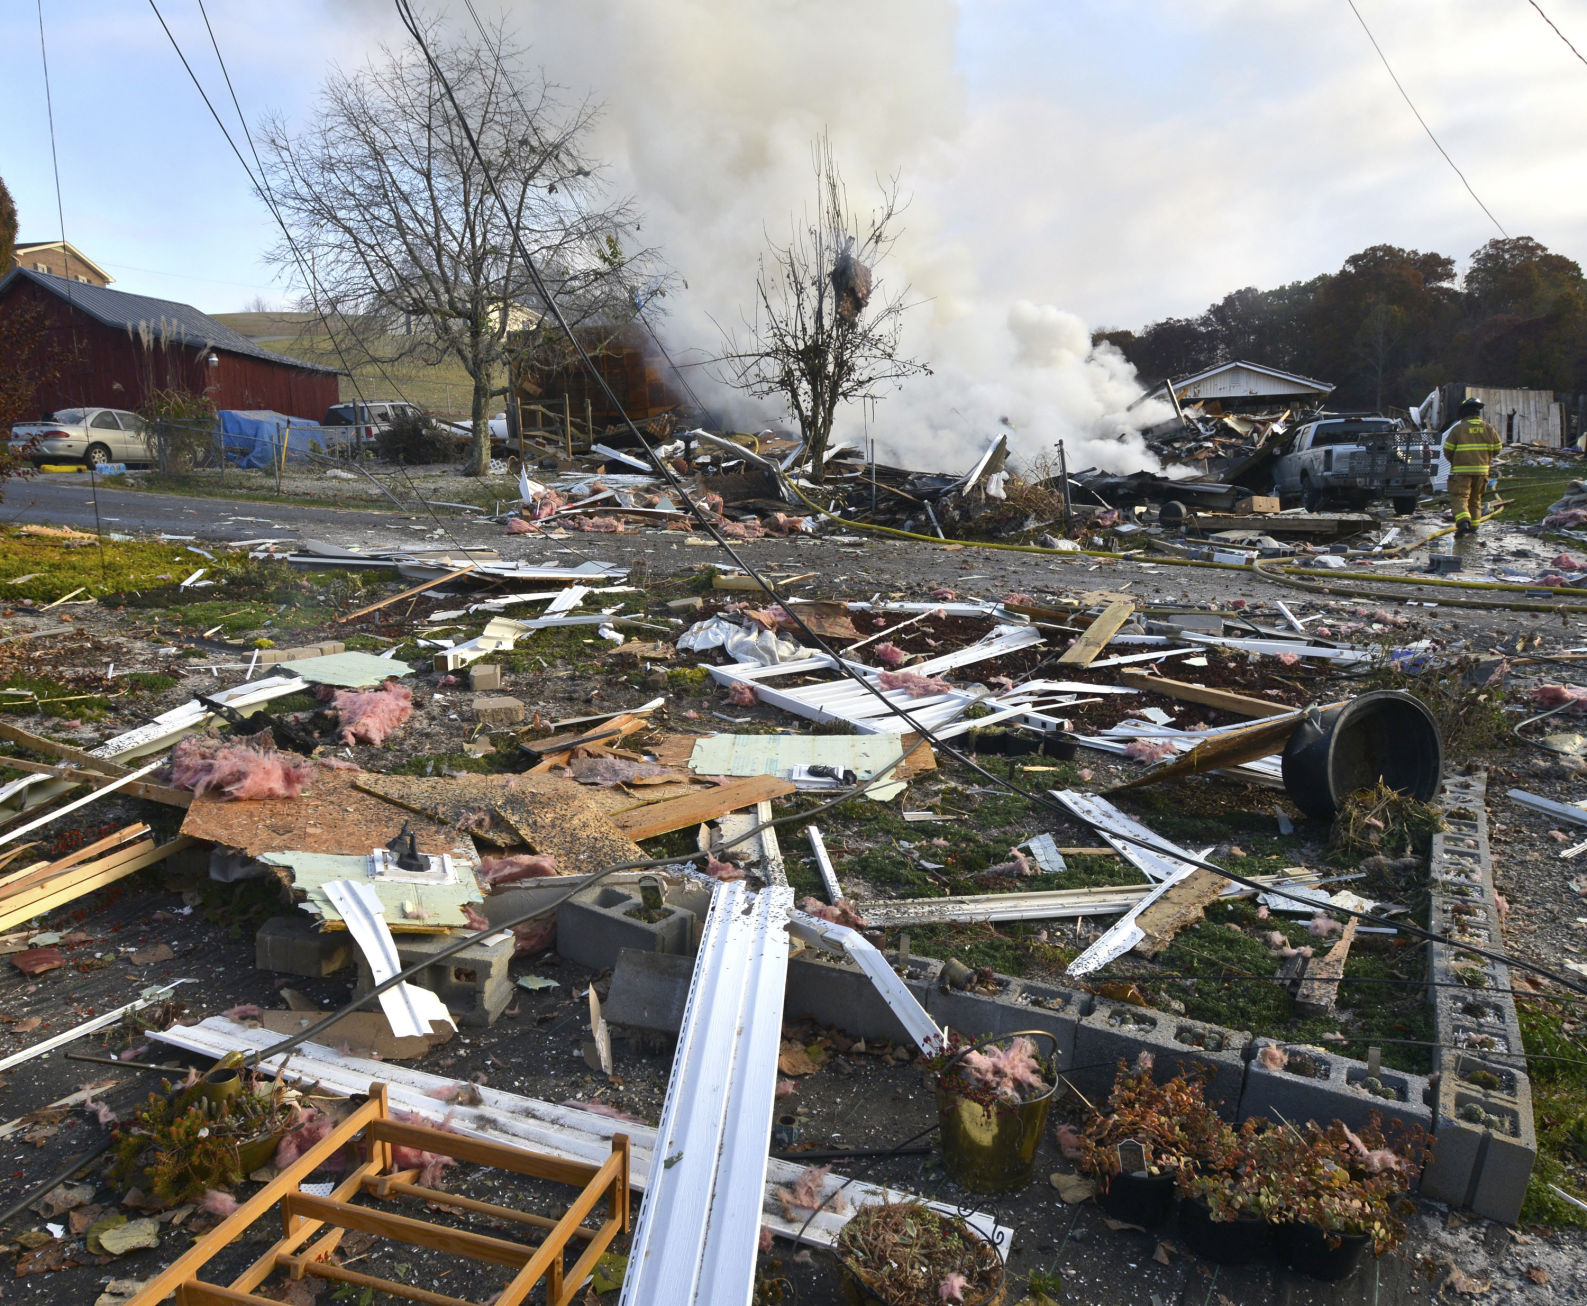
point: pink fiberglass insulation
(1566, 519)
(841, 912)
(534, 936)
(520, 866)
(742, 530)
(1324, 926)
(1564, 562)
(913, 683)
(1005, 1072)
(518, 526)
(368, 716)
(741, 695)
(312, 1126)
(1149, 750)
(807, 1191)
(890, 655)
(594, 525)
(1273, 1057)
(719, 870)
(1560, 696)
(711, 504)
(238, 771)
(952, 1286)
(944, 595)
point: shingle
(172, 321)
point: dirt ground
(857, 1099)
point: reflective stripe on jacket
(1470, 445)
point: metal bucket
(1384, 735)
(992, 1149)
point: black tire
(1310, 496)
(96, 454)
(1172, 513)
(1404, 505)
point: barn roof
(167, 319)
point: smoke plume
(711, 107)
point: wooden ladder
(304, 1215)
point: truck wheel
(1404, 505)
(1310, 496)
(1172, 513)
(97, 454)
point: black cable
(1557, 32)
(1406, 97)
(411, 23)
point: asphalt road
(67, 499)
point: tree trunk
(479, 460)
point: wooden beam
(404, 1229)
(651, 819)
(166, 794)
(1084, 650)
(95, 875)
(1222, 699)
(39, 744)
(41, 871)
(1183, 904)
(407, 593)
(1319, 985)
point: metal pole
(873, 477)
(1063, 476)
(567, 422)
(589, 420)
(518, 399)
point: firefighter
(1470, 444)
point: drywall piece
(851, 943)
(347, 670)
(409, 1009)
(404, 905)
(508, 1117)
(144, 999)
(829, 877)
(699, 1228)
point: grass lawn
(1532, 489)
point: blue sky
(1122, 158)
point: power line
(1557, 32)
(1406, 97)
(1152, 844)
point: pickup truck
(1353, 459)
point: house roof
(1282, 382)
(26, 246)
(172, 321)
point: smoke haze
(711, 107)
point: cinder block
(974, 1015)
(649, 991)
(836, 992)
(597, 924)
(473, 982)
(1482, 1161)
(1322, 1086)
(498, 709)
(1051, 1008)
(1118, 1031)
(291, 945)
(484, 675)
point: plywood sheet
(333, 816)
(546, 813)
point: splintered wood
(1319, 983)
(1083, 652)
(1188, 692)
(1180, 905)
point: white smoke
(711, 107)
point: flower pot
(1143, 1199)
(1224, 1242)
(1306, 1250)
(858, 1292)
(992, 1149)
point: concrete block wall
(473, 982)
(597, 924)
(836, 992)
(1317, 1084)
(1484, 1141)
(1120, 1031)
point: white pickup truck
(1352, 459)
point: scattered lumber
(23, 902)
(1084, 651)
(1318, 989)
(646, 822)
(1222, 699)
(1182, 904)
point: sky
(1070, 163)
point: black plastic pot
(1383, 735)
(1305, 1250)
(1143, 1199)
(1226, 1242)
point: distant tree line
(1392, 324)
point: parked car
(84, 435)
(364, 422)
(1354, 458)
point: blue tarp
(255, 438)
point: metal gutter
(829, 877)
(699, 1227)
(851, 943)
(1110, 823)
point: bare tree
(821, 335)
(412, 258)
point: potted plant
(1147, 1134)
(1231, 1195)
(1344, 1193)
(907, 1254)
(993, 1096)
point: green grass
(20, 692)
(1559, 1110)
(57, 566)
(1533, 489)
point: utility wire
(1406, 97)
(1153, 844)
(1557, 32)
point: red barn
(120, 347)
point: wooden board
(1083, 652)
(136, 788)
(1185, 691)
(1219, 751)
(333, 816)
(1180, 905)
(39, 744)
(546, 813)
(82, 880)
(651, 819)
(1319, 985)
